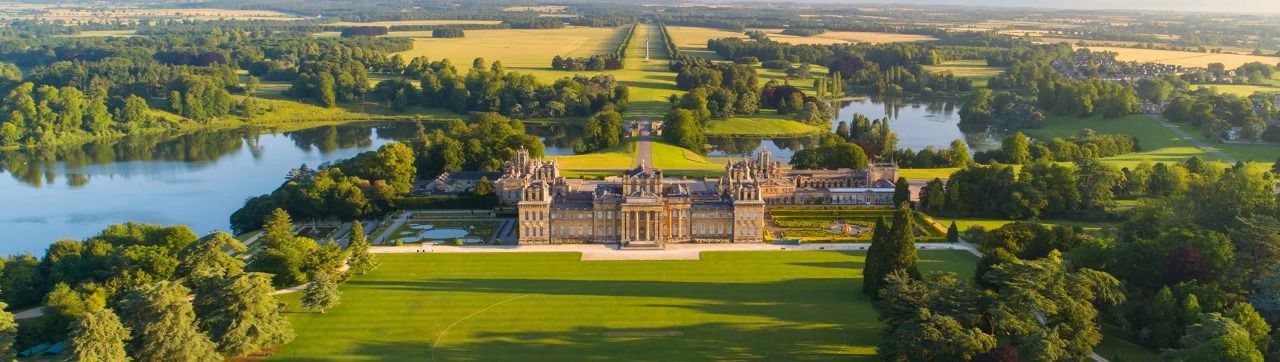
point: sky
(1237, 6)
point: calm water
(918, 125)
(196, 179)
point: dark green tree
(241, 315)
(953, 233)
(164, 325)
(901, 191)
(100, 337)
(1216, 338)
(8, 334)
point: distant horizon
(1186, 6)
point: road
(1201, 145)
(644, 149)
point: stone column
(622, 231)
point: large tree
(242, 316)
(893, 248)
(100, 337)
(1216, 338)
(930, 336)
(164, 325)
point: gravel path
(1201, 145)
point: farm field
(516, 48)
(1184, 58)
(840, 37)
(976, 70)
(417, 22)
(509, 306)
(693, 39)
(83, 15)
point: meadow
(767, 123)
(1243, 90)
(672, 160)
(512, 306)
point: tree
(934, 337)
(681, 129)
(1248, 318)
(362, 261)
(164, 325)
(933, 197)
(209, 258)
(242, 316)
(327, 94)
(134, 112)
(1154, 90)
(8, 334)
(284, 255)
(959, 154)
(1016, 149)
(1051, 312)
(874, 270)
(321, 294)
(1161, 323)
(1216, 338)
(1097, 183)
(100, 337)
(901, 191)
(892, 249)
(953, 233)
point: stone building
(645, 209)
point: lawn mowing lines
(473, 314)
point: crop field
(1185, 58)
(839, 37)
(976, 70)
(417, 22)
(514, 47)
(81, 15)
(693, 40)
(772, 305)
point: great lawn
(777, 306)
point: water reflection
(195, 179)
(920, 123)
(782, 147)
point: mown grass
(616, 158)
(676, 158)
(510, 306)
(764, 124)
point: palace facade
(645, 209)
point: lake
(197, 179)
(919, 124)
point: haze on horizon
(1228, 6)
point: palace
(645, 209)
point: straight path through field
(1214, 151)
(649, 81)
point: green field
(674, 159)
(519, 306)
(1158, 143)
(620, 157)
(764, 124)
(976, 70)
(812, 225)
(1243, 90)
